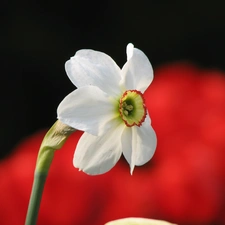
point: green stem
(35, 199)
(53, 140)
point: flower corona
(132, 108)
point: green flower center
(132, 108)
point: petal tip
(131, 169)
(130, 49)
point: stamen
(125, 112)
(129, 107)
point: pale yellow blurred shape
(138, 221)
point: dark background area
(37, 37)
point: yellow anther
(125, 112)
(129, 107)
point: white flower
(138, 221)
(108, 105)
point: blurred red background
(184, 183)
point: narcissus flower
(109, 106)
(138, 221)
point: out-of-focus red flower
(184, 182)
(188, 108)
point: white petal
(89, 67)
(130, 49)
(138, 221)
(137, 72)
(88, 109)
(139, 144)
(98, 154)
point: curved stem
(53, 140)
(35, 199)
